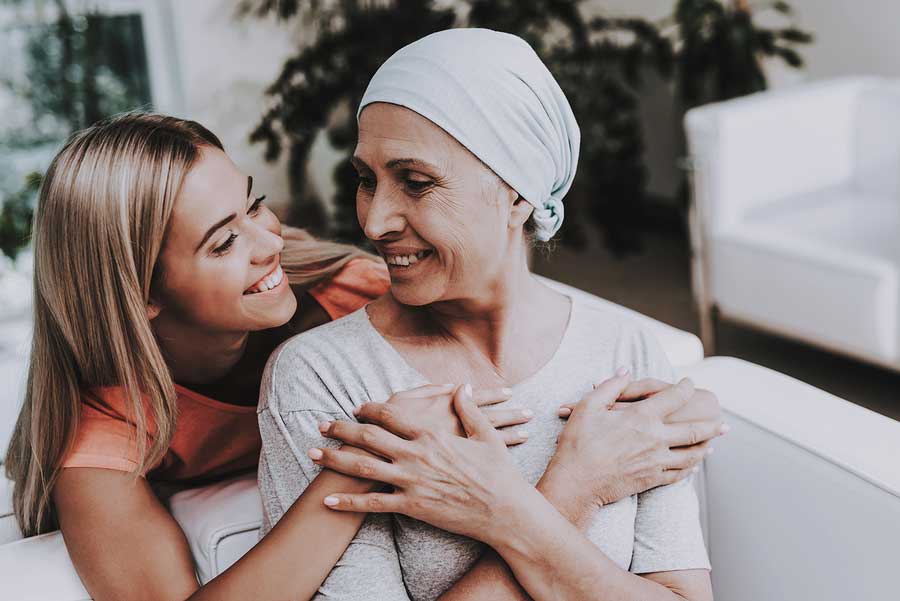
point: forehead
(388, 131)
(212, 189)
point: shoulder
(323, 362)
(630, 343)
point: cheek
(207, 290)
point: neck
(196, 356)
(490, 324)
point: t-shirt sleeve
(103, 441)
(370, 567)
(667, 533)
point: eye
(366, 182)
(254, 208)
(223, 248)
(418, 185)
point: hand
(463, 485)
(432, 408)
(611, 450)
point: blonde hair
(99, 227)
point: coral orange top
(212, 439)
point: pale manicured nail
(522, 433)
(314, 454)
(323, 427)
(467, 390)
(527, 413)
(506, 391)
(710, 450)
(725, 428)
(622, 372)
(564, 412)
(330, 501)
(695, 469)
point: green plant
(320, 87)
(16, 215)
(711, 48)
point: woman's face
(220, 261)
(446, 225)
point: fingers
(687, 434)
(427, 390)
(491, 396)
(605, 394)
(687, 458)
(475, 424)
(673, 476)
(369, 437)
(642, 388)
(513, 436)
(373, 502)
(500, 418)
(390, 417)
(669, 400)
(359, 466)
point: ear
(153, 310)
(519, 212)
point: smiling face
(446, 224)
(220, 262)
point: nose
(267, 244)
(381, 216)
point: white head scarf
(491, 92)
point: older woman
(466, 148)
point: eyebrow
(394, 163)
(214, 227)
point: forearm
(296, 556)
(551, 559)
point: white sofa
(800, 501)
(796, 212)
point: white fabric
(491, 92)
(803, 494)
(798, 198)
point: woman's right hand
(610, 450)
(464, 484)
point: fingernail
(356, 410)
(522, 433)
(467, 390)
(506, 391)
(314, 454)
(448, 386)
(330, 501)
(323, 427)
(710, 450)
(725, 428)
(527, 413)
(564, 412)
(695, 469)
(622, 372)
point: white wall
(225, 65)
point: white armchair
(796, 214)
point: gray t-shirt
(324, 373)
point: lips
(267, 282)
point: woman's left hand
(463, 485)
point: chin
(414, 294)
(276, 316)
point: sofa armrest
(39, 569)
(803, 495)
(772, 145)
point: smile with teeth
(406, 260)
(267, 283)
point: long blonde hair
(99, 227)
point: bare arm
(106, 515)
